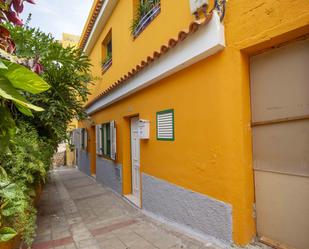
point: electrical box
(143, 128)
(196, 5)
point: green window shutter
(165, 125)
(108, 136)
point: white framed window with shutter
(106, 140)
(77, 138)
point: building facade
(201, 118)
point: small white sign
(195, 5)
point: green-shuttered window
(165, 125)
(106, 140)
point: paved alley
(77, 212)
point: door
(280, 120)
(135, 161)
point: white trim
(205, 42)
(104, 15)
(134, 200)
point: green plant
(17, 213)
(25, 163)
(66, 70)
(7, 128)
(107, 59)
(13, 79)
(144, 7)
(6, 233)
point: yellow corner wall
(211, 153)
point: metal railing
(106, 65)
(147, 18)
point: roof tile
(172, 42)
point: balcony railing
(106, 65)
(146, 19)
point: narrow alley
(76, 212)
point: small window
(165, 125)
(107, 52)
(84, 139)
(80, 138)
(144, 12)
(106, 140)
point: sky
(58, 16)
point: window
(107, 52)
(165, 125)
(144, 12)
(106, 140)
(80, 138)
(106, 128)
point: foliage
(24, 162)
(7, 128)
(6, 233)
(16, 211)
(9, 10)
(107, 59)
(143, 9)
(13, 77)
(67, 72)
(29, 59)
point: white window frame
(101, 150)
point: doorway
(135, 196)
(280, 128)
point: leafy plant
(28, 140)
(17, 213)
(106, 60)
(144, 7)
(66, 70)
(13, 77)
(7, 128)
(6, 233)
(25, 166)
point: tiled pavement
(75, 212)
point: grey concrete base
(109, 173)
(195, 211)
(83, 161)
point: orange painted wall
(211, 153)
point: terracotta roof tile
(89, 28)
(172, 42)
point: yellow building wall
(69, 40)
(211, 153)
